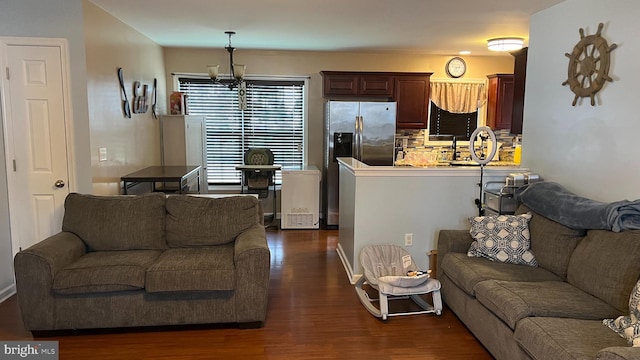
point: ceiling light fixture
(505, 44)
(236, 71)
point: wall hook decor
(589, 65)
(140, 102)
(154, 97)
(125, 102)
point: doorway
(36, 115)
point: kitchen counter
(457, 163)
(380, 204)
(359, 168)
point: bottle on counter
(517, 154)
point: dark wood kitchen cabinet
(340, 84)
(409, 90)
(519, 80)
(376, 85)
(412, 98)
(500, 101)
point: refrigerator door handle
(357, 138)
(360, 136)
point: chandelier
(236, 73)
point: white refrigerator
(183, 142)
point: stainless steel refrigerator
(362, 130)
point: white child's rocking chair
(385, 270)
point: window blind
(273, 118)
(442, 122)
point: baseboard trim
(7, 292)
(353, 278)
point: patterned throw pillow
(628, 326)
(502, 238)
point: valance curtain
(458, 97)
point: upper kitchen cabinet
(412, 98)
(519, 79)
(409, 90)
(376, 85)
(500, 101)
(351, 84)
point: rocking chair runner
(385, 270)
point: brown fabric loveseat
(132, 261)
(552, 311)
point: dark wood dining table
(176, 179)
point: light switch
(103, 154)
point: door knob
(59, 184)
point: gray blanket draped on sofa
(555, 202)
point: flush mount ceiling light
(505, 44)
(236, 71)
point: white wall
(57, 19)
(131, 144)
(592, 150)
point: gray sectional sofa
(134, 261)
(554, 310)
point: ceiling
(441, 27)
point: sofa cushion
(197, 221)
(606, 264)
(119, 222)
(552, 242)
(503, 238)
(512, 301)
(564, 339)
(105, 271)
(466, 271)
(193, 269)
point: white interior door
(36, 141)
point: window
(442, 122)
(273, 118)
(454, 107)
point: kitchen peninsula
(380, 204)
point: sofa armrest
(457, 241)
(253, 263)
(251, 240)
(619, 353)
(35, 269)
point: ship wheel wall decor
(589, 65)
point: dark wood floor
(313, 313)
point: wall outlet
(408, 239)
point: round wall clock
(456, 67)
